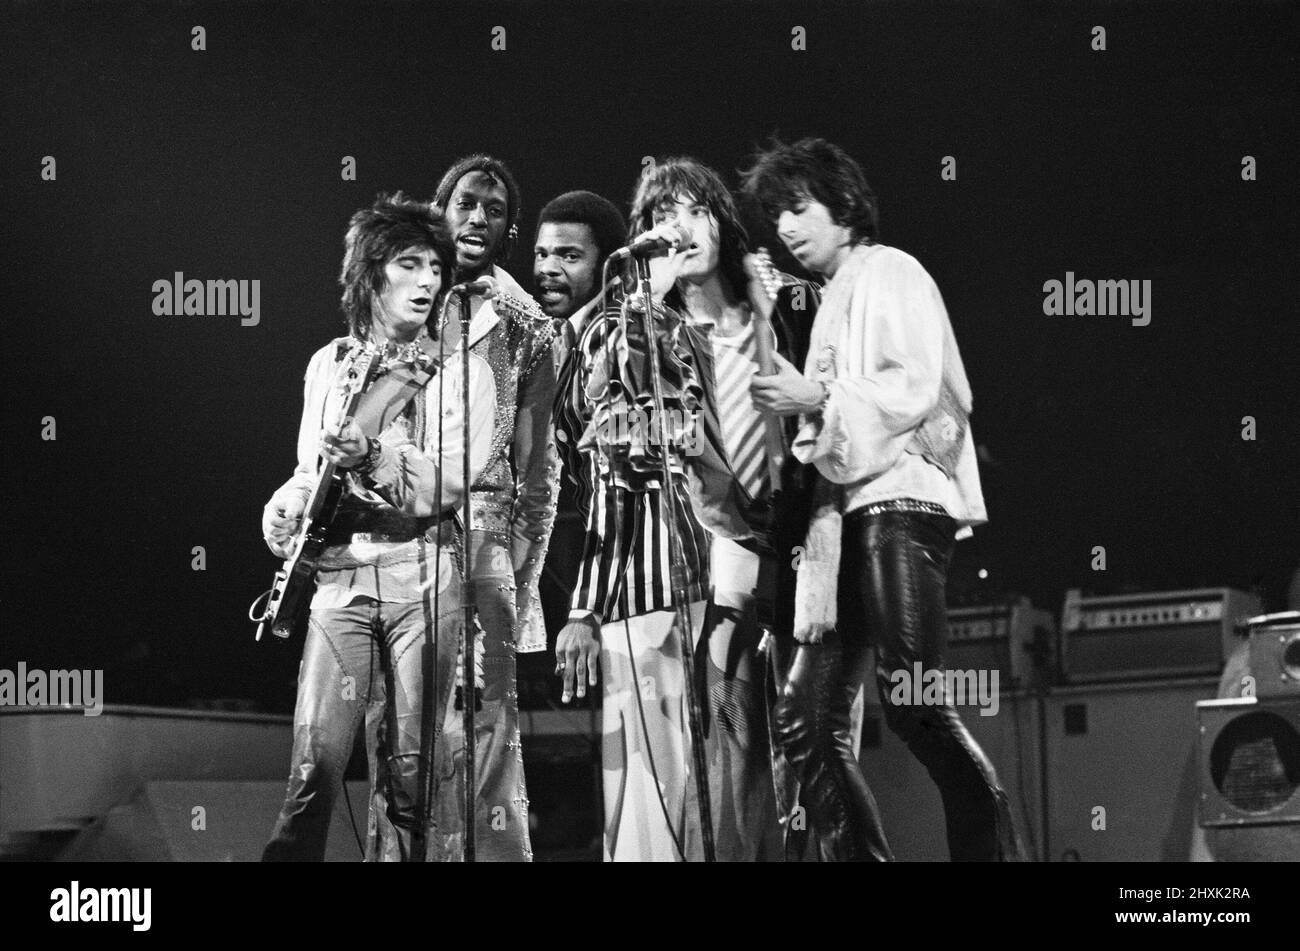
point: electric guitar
(293, 584)
(763, 336)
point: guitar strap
(388, 396)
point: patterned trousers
(363, 664)
(645, 754)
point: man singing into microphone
(513, 499)
(709, 323)
(621, 622)
(390, 548)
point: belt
(441, 529)
(902, 505)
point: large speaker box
(1121, 768)
(1275, 654)
(1249, 770)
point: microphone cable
(611, 352)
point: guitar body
(291, 591)
(787, 511)
(296, 582)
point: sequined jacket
(514, 499)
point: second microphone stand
(677, 567)
(469, 692)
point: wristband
(370, 460)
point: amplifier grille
(1255, 762)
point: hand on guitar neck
(344, 445)
(763, 285)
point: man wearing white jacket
(884, 405)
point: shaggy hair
(784, 177)
(375, 236)
(496, 169)
(680, 177)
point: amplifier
(1275, 653)
(1154, 635)
(1014, 638)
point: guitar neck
(325, 476)
(774, 438)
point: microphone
(484, 286)
(652, 245)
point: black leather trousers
(893, 569)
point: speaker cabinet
(1275, 654)
(1121, 769)
(1249, 768)
(908, 798)
(1174, 634)
(1016, 639)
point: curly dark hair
(785, 176)
(496, 169)
(667, 181)
(375, 236)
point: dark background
(224, 164)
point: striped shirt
(743, 427)
(626, 555)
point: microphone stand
(470, 681)
(677, 570)
(428, 667)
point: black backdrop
(225, 163)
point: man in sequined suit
(512, 503)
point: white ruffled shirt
(881, 343)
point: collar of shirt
(486, 316)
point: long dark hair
(669, 180)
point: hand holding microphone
(662, 245)
(658, 241)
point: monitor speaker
(1249, 767)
